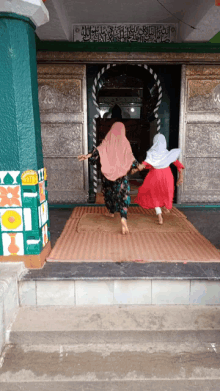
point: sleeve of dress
(147, 165)
(178, 165)
(95, 155)
(135, 164)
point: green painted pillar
(24, 221)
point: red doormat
(177, 240)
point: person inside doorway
(117, 160)
(157, 190)
(116, 113)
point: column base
(30, 261)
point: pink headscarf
(115, 153)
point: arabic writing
(125, 33)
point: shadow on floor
(206, 221)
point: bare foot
(125, 229)
(109, 214)
(166, 210)
(160, 219)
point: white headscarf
(158, 156)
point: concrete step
(111, 336)
(161, 385)
(111, 362)
(107, 324)
(130, 348)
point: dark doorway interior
(133, 89)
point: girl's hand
(179, 182)
(84, 157)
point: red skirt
(157, 189)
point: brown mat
(90, 246)
(80, 211)
(137, 223)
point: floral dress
(116, 193)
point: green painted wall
(215, 39)
(59, 46)
(20, 132)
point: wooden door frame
(97, 57)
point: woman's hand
(139, 168)
(84, 157)
(133, 171)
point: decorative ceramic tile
(30, 195)
(13, 244)
(42, 192)
(45, 173)
(33, 241)
(13, 175)
(41, 174)
(39, 216)
(11, 219)
(10, 196)
(44, 235)
(29, 178)
(2, 176)
(27, 219)
(43, 213)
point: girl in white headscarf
(157, 190)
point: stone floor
(58, 219)
(206, 221)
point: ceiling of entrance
(203, 15)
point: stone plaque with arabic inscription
(143, 33)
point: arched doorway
(136, 89)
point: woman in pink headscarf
(117, 160)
